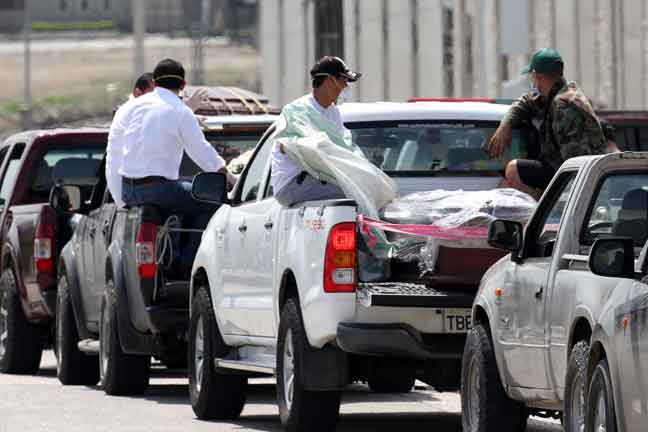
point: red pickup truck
(32, 233)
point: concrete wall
(398, 45)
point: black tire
(214, 396)
(485, 405)
(72, 366)
(308, 410)
(576, 387)
(121, 373)
(21, 342)
(600, 395)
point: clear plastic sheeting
(322, 151)
(413, 228)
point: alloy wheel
(4, 326)
(473, 399)
(104, 344)
(577, 419)
(199, 354)
(600, 419)
(288, 369)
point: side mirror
(505, 234)
(613, 256)
(65, 198)
(210, 187)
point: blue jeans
(173, 197)
(308, 189)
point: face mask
(344, 96)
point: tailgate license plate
(457, 320)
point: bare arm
(522, 110)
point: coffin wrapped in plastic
(443, 233)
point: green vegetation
(12, 107)
(62, 100)
(47, 26)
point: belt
(143, 180)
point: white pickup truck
(537, 309)
(279, 290)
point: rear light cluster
(145, 250)
(340, 259)
(45, 241)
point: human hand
(500, 141)
(197, 99)
(231, 178)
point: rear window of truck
(430, 148)
(66, 165)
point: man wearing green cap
(569, 126)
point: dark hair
(144, 82)
(169, 74)
(318, 81)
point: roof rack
(231, 100)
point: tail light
(340, 259)
(145, 250)
(45, 241)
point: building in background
(457, 48)
(235, 18)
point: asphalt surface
(41, 403)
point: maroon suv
(32, 233)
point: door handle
(242, 228)
(538, 294)
(268, 225)
(105, 227)
(92, 230)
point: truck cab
(118, 298)
(282, 290)
(536, 308)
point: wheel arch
(199, 278)
(10, 259)
(287, 289)
(581, 330)
(482, 315)
(67, 266)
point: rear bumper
(398, 340)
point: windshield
(429, 147)
(228, 146)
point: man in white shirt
(143, 85)
(330, 77)
(159, 127)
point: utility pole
(139, 28)
(198, 29)
(26, 113)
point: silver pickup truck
(537, 308)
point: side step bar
(243, 365)
(89, 346)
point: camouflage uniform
(570, 128)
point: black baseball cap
(335, 66)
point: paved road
(40, 403)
